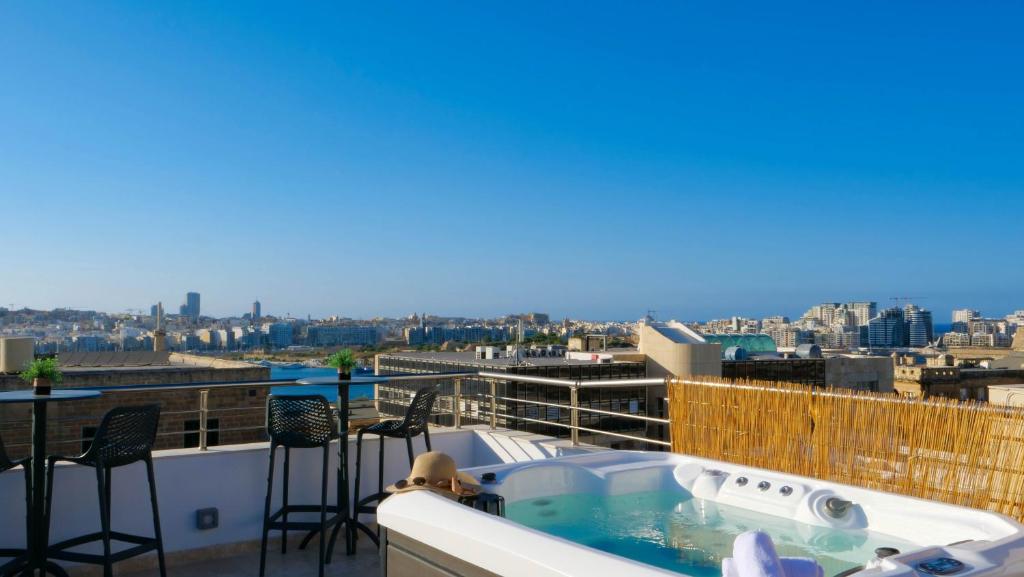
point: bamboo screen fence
(961, 453)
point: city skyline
(257, 306)
(472, 159)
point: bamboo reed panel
(962, 453)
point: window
(191, 437)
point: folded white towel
(791, 566)
(801, 567)
(754, 556)
(729, 568)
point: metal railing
(457, 400)
(574, 407)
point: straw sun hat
(435, 471)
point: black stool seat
(300, 422)
(126, 435)
(391, 428)
(6, 464)
(416, 422)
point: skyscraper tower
(919, 325)
(888, 329)
(191, 307)
(256, 312)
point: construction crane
(907, 299)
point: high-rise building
(965, 315)
(863, 312)
(256, 313)
(329, 335)
(919, 326)
(191, 307)
(279, 335)
(962, 319)
(857, 313)
(888, 329)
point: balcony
(232, 478)
(474, 428)
(729, 455)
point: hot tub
(649, 513)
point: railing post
(204, 413)
(494, 404)
(574, 415)
(457, 409)
(668, 410)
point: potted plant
(343, 360)
(42, 374)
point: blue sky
(589, 159)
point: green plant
(343, 360)
(42, 369)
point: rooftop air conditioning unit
(15, 353)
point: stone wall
(235, 408)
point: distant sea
(329, 391)
(941, 328)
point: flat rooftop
(469, 358)
(143, 359)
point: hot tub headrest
(754, 556)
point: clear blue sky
(588, 159)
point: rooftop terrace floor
(296, 563)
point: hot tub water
(678, 532)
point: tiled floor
(295, 563)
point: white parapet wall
(233, 479)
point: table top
(56, 396)
(335, 381)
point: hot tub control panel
(940, 566)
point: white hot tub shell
(986, 543)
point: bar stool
(415, 422)
(126, 435)
(298, 422)
(6, 464)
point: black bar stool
(125, 436)
(6, 464)
(298, 422)
(417, 417)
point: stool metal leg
(28, 502)
(380, 466)
(323, 511)
(408, 446)
(359, 459)
(426, 437)
(110, 502)
(158, 534)
(266, 513)
(284, 500)
(101, 485)
(48, 503)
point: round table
(343, 413)
(36, 538)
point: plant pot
(344, 375)
(42, 386)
